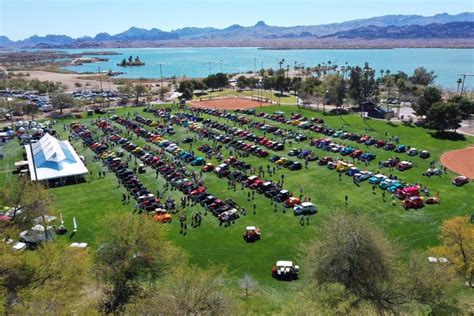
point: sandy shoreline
(69, 80)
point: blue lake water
(194, 62)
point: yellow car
(136, 150)
(281, 161)
(107, 154)
(295, 123)
(343, 166)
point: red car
(413, 202)
(356, 153)
(292, 201)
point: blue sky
(22, 18)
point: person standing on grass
(254, 208)
(346, 198)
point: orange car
(162, 216)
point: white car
(363, 175)
(412, 152)
(305, 208)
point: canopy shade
(50, 158)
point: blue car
(376, 179)
(347, 151)
(199, 161)
(352, 171)
(367, 156)
(400, 149)
(395, 186)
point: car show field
(322, 191)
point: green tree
(30, 109)
(63, 101)
(430, 96)
(352, 252)
(457, 237)
(47, 281)
(422, 76)
(139, 91)
(132, 248)
(28, 199)
(352, 268)
(465, 105)
(242, 82)
(187, 291)
(444, 116)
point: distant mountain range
(413, 29)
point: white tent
(50, 158)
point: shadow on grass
(392, 124)
(453, 136)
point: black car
(295, 166)
(275, 158)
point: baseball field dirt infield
(229, 103)
(460, 161)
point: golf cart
(252, 233)
(285, 270)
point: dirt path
(230, 103)
(69, 80)
(460, 161)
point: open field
(229, 103)
(282, 234)
(460, 161)
(267, 95)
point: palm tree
(459, 83)
(381, 73)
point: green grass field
(270, 96)
(282, 234)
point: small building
(380, 113)
(53, 160)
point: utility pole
(261, 87)
(221, 65)
(101, 90)
(210, 69)
(464, 75)
(281, 87)
(161, 83)
(254, 67)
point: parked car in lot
(424, 154)
(295, 165)
(412, 152)
(460, 181)
(413, 202)
(306, 208)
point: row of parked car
(316, 124)
(145, 200)
(180, 177)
